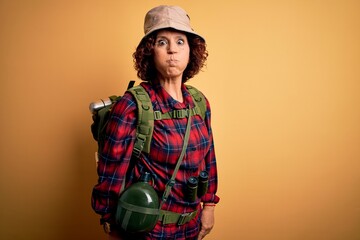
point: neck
(173, 87)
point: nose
(172, 47)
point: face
(171, 54)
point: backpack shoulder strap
(199, 100)
(145, 124)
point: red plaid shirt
(166, 146)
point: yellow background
(283, 78)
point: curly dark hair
(144, 62)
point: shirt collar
(167, 103)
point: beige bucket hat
(165, 16)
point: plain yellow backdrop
(283, 80)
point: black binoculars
(197, 186)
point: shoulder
(199, 97)
(126, 104)
(135, 97)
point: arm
(210, 198)
(210, 164)
(114, 157)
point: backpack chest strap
(176, 114)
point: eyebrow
(177, 36)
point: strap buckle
(180, 113)
(168, 217)
(157, 115)
(184, 218)
(139, 145)
(171, 183)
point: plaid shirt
(166, 146)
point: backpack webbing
(145, 124)
(199, 100)
(146, 115)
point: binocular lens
(203, 176)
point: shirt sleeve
(114, 157)
(210, 161)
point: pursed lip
(172, 61)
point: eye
(180, 42)
(161, 42)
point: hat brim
(178, 27)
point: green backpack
(146, 115)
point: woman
(169, 54)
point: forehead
(170, 32)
